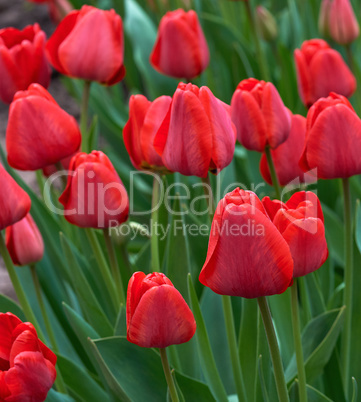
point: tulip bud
(343, 25)
(24, 242)
(323, 18)
(266, 24)
(157, 314)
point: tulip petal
(302, 196)
(4, 390)
(304, 82)
(8, 322)
(133, 294)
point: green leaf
(313, 395)
(354, 390)
(8, 305)
(54, 396)
(358, 225)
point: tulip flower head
(180, 49)
(259, 115)
(22, 60)
(247, 255)
(197, 134)
(157, 314)
(321, 70)
(27, 366)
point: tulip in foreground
(333, 139)
(89, 44)
(197, 134)
(321, 70)
(39, 132)
(94, 196)
(180, 49)
(27, 366)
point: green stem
(274, 350)
(154, 242)
(273, 173)
(59, 382)
(168, 375)
(60, 168)
(298, 343)
(125, 256)
(29, 315)
(84, 117)
(39, 179)
(209, 195)
(114, 265)
(259, 52)
(347, 299)
(232, 343)
(103, 266)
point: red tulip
(180, 49)
(342, 23)
(22, 60)
(89, 44)
(94, 196)
(27, 366)
(321, 70)
(145, 118)
(39, 132)
(333, 139)
(259, 115)
(157, 314)
(300, 221)
(197, 134)
(287, 155)
(14, 201)
(247, 255)
(24, 242)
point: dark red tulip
(333, 139)
(27, 366)
(94, 196)
(287, 155)
(180, 49)
(24, 242)
(88, 44)
(145, 118)
(259, 115)
(22, 60)
(321, 70)
(247, 255)
(39, 132)
(14, 201)
(300, 221)
(157, 314)
(197, 134)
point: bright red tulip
(333, 139)
(22, 60)
(300, 221)
(94, 196)
(259, 115)
(39, 132)
(342, 23)
(157, 314)
(180, 49)
(145, 118)
(247, 255)
(14, 201)
(27, 366)
(321, 70)
(197, 134)
(287, 155)
(89, 44)
(24, 242)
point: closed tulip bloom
(24, 242)
(321, 70)
(27, 366)
(94, 196)
(88, 44)
(180, 49)
(323, 18)
(197, 134)
(157, 314)
(259, 115)
(287, 155)
(333, 139)
(343, 25)
(300, 221)
(22, 60)
(145, 118)
(247, 255)
(39, 132)
(14, 201)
